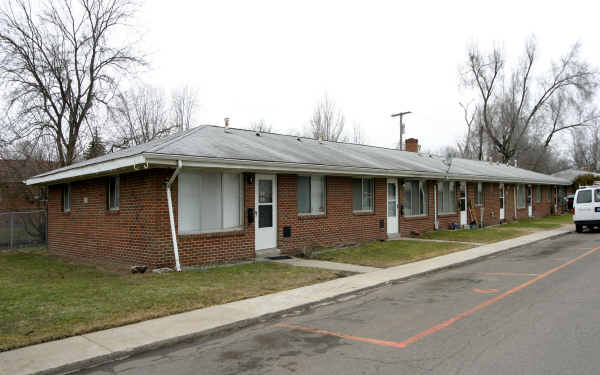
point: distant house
(14, 194)
(566, 194)
(214, 195)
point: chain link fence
(19, 229)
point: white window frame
(218, 230)
(117, 192)
(312, 211)
(422, 189)
(443, 190)
(67, 192)
(371, 180)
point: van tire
(578, 228)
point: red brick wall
(544, 207)
(139, 233)
(89, 230)
(338, 226)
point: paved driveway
(534, 310)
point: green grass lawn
(43, 298)
(390, 253)
(487, 235)
(501, 232)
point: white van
(586, 207)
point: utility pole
(401, 114)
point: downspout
(436, 223)
(171, 219)
(515, 201)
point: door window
(265, 203)
(463, 197)
(597, 195)
(392, 200)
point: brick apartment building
(214, 195)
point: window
(549, 193)
(521, 196)
(479, 194)
(67, 197)
(538, 194)
(362, 194)
(447, 196)
(584, 196)
(209, 201)
(113, 193)
(415, 198)
(597, 195)
(311, 194)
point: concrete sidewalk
(103, 346)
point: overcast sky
(275, 59)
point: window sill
(413, 217)
(67, 213)
(231, 232)
(113, 212)
(444, 214)
(363, 213)
(312, 216)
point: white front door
(392, 206)
(463, 203)
(529, 201)
(501, 201)
(265, 203)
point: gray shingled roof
(572, 174)
(212, 143)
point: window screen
(479, 194)
(67, 197)
(447, 196)
(113, 193)
(311, 194)
(415, 198)
(538, 194)
(521, 196)
(548, 193)
(209, 201)
(362, 194)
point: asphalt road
(533, 310)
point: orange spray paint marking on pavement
(449, 322)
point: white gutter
(171, 219)
(87, 170)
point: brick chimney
(412, 145)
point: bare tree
(357, 134)
(585, 147)
(59, 63)
(141, 115)
(327, 121)
(513, 102)
(261, 126)
(184, 103)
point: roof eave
(87, 170)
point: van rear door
(584, 206)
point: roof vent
(321, 139)
(258, 134)
(226, 124)
(299, 139)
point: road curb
(111, 356)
